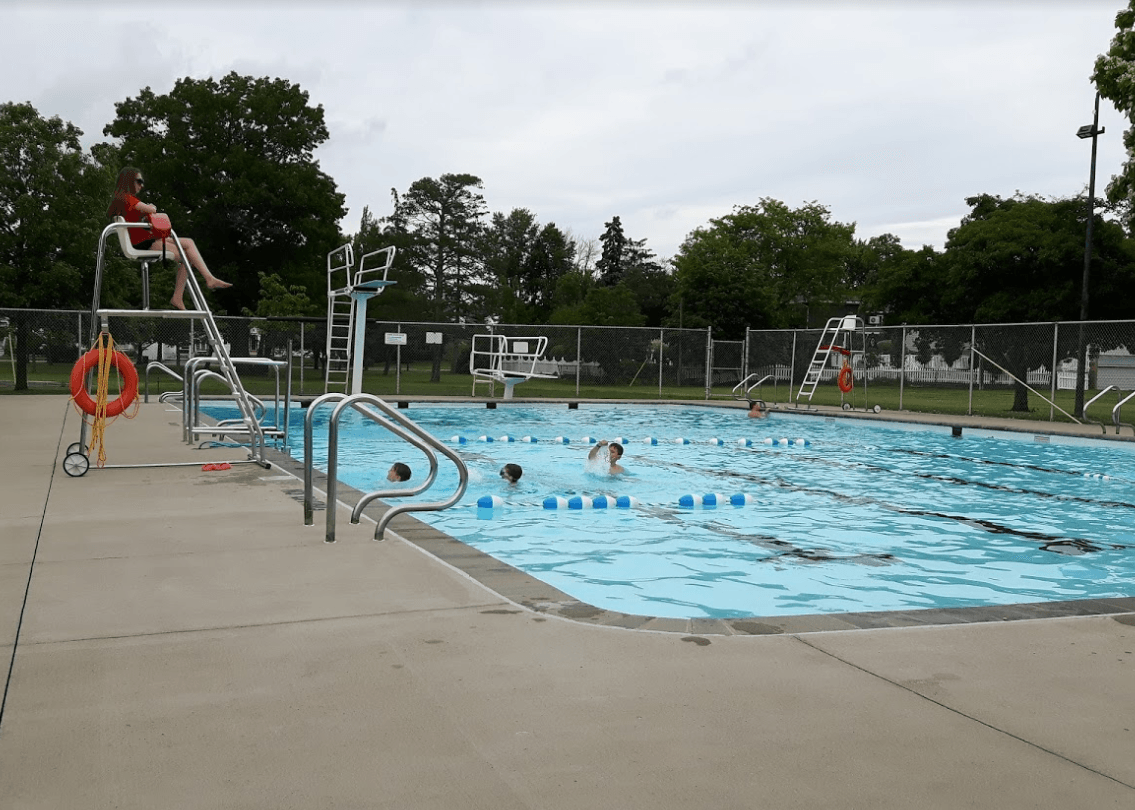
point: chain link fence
(1032, 370)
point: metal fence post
(708, 361)
(578, 356)
(302, 326)
(902, 366)
(745, 358)
(1052, 389)
(972, 339)
(792, 369)
(661, 337)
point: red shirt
(132, 214)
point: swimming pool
(847, 516)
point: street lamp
(1093, 131)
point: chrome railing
(400, 426)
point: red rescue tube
(846, 380)
(89, 361)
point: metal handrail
(1026, 385)
(396, 423)
(160, 367)
(190, 390)
(1088, 404)
(1115, 411)
(748, 390)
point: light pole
(1093, 131)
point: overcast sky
(667, 114)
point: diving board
(507, 360)
(348, 291)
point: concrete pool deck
(173, 637)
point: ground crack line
(960, 713)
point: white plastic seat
(135, 255)
(132, 252)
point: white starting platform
(507, 360)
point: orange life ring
(846, 380)
(129, 383)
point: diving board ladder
(829, 342)
(340, 320)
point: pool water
(848, 516)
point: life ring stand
(846, 380)
(89, 361)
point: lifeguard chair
(508, 360)
(837, 337)
(143, 257)
(348, 291)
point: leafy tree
(751, 267)
(552, 257)
(50, 199)
(601, 306)
(442, 221)
(908, 287)
(523, 262)
(507, 250)
(232, 162)
(1020, 260)
(1114, 77)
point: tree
(51, 194)
(523, 261)
(752, 267)
(612, 261)
(232, 162)
(908, 287)
(442, 219)
(1021, 260)
(404, 300)
(1114, 78)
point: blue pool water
(848, 516)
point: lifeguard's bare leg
(195, 258)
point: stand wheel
(76, 465)
(847, 406)
(74, 447)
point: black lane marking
(1047, 542)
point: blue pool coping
(528, 592)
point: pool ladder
(1114, 411)
(383, 414)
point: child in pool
(614, 455)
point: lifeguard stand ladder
(348, 291)
(836, 337)
(508, 360)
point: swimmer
(614, 454)
(757, 409)
(399, 472)
(511, 473)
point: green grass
(46, 378)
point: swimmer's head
(615, 451)
(511, 473)
(399, 472)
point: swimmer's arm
(595, 450)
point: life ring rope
(102, 357)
